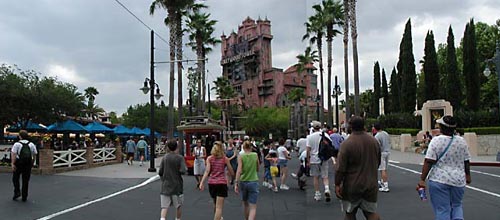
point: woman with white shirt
(283, 157)
(199, 154)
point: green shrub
(399, 131)
(400, 120)
(483, 118)
(481, 130)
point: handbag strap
(446, 149)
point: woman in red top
(216, 173)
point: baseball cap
(316, 124)
(447, 121)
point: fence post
(70, 159)
(118, 152)
(89, 156)
(46, 165)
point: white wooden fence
(160, 149)
(104, 154)
(69, 157)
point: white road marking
(393, 161)
(467, 186)
(150, 180)
(487, 174)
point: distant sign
(234, 132)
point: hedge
(481, 130)
(399, 131)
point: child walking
(272, 157)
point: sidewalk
(119, 170)
(415, 158)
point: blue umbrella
(122, 130)
(67, 126)
(147, 131)
(30, 127)
(137, 131)
(96, 127)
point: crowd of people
(360, 166)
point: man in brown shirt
(357, 172)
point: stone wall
(487, 145)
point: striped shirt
(217, 170)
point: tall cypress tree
(431, 69)
(385, 93)
(453, 86)
(376, 89)
(406, 68)
(471, 68)
(395, 92)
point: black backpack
(326, 149)
(25, 155)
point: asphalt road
(52, 194)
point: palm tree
(332, 16)
(174, 22)
(309, 57)
(90, 93)
(346, 57)
(354, 37)
(201, 29)
(315, 32)
(93, 111)
(223, 88)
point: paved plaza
(120, 192)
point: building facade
(247, 63)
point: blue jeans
(446, 201)
(267, 173)
(249, 191)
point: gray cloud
(97, 43)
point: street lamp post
(318, 99)
(145, 89)
(496, 61)
(336, 93)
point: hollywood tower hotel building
(247, 63)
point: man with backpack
(318, 158)
(22, 154)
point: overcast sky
(97, 43)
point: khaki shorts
(320, 169)
(384, 161)
(349, 207)
(173, 200)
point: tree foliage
(262, 121)
(453, 86)
(138, 116)
(406, 68)
(376, 89)
(471, 67)
(385, 92)
(394, 92)
(26, 95)
(431, 69)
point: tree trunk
(354, 36)
(201, 99)
(170, 130)
(203, 75)
(329, 117)
(179, 78)
(346, 58)
(320, 54)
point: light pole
(145, 89)
(487, 71)
(336, 93)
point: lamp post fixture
(487, 71)
(336, 93)
(318, 99)
(154, 94)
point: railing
(104, 154)
(69, 157)
(160, 149)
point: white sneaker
(317, 196)
(294, 175)
(270, 186)
(383, 189)
(284, 187)
(265, 184)
(275, 189)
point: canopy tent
(66, 127)
(138, 131)
(147, 131)
(96, 127)
(30, 127)
(122, 130)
